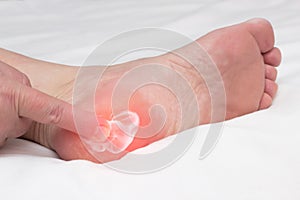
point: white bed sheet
(257, 156)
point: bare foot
(245, 56)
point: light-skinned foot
(244, 55)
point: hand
(20, 104)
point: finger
(45, 109)
(21, 128)
(11, 73)
(2, 141)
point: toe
(262, 31)
(265, 102)
(270, 73)
(273, 57)
(271, 88)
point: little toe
(270, 72)
(266, 101)
(273, 57)
(271, 88)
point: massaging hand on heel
(20, 104)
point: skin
(21, 105)
(244, 54)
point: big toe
(263, 33)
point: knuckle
(55, 114)
(8, 97)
